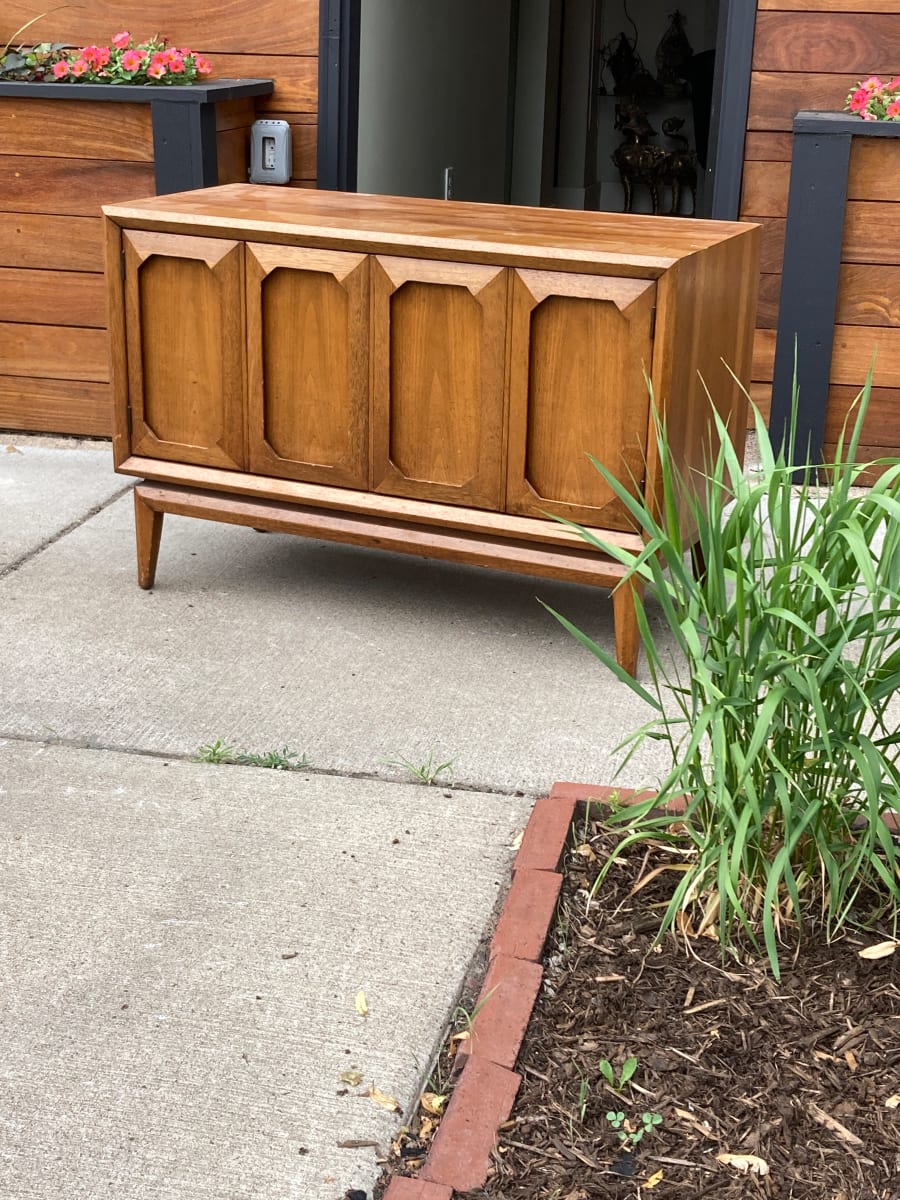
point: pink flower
(872, 84)
(867, 116)
(121, 40)
(893, 109)
(131, 60)
(159, 59)
(202, 65)
(156, 70)
(859, 100)
(61, 69)
(80, 67)
(176, 63)
(894, 85)
(101, 56)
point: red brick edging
(459, 1158)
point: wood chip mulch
(797, 1080)
(803, 1074)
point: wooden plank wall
(808, 54)
(59, 162)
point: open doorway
(630, 91)
(529, 101)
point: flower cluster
(152, 61)
(875, 100)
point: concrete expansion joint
(182, 756)
(21, 561)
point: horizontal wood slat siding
(807, 55)
(265, 26)
(54, 352)
(60, 161)
(776, 98)
(52, 298)
(827, 42)
(867, 295)
(838, 6)
(296, 79)
(55, 405)
(54, 130)
(55, 243)
(74, 187)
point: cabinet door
(308, 364)
(580, 347)
(439, 350)
(184, 339)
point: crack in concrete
(84, 743)
(19, 562)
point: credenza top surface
(544, 237)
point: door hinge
(128, 425)
(122, 261)
(653, 322)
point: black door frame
(338, 125)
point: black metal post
(812, 265)
(731, 101)
(184, 146)
(809, 289)
(339, 33)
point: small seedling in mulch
(584, 1090)
(427, 772)
(629, 1133)
(608, 1071)
(275, 760)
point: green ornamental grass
(775, 700)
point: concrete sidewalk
(182, 943)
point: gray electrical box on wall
(270, 152)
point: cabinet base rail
(152, 501)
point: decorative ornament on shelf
(673, 57)
(874, 100)
(151, 62)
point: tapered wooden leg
(148, 523)
(625, 620)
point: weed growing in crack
(275, 760)
(427, 772)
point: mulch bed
(803, 1074)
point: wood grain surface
(69, 186)
(827, 42)
(308, 364)
(580, 346)
(765, 188)
(55, 406)
(270, 26)
(33, 240)
(53, 352)
(872, 232)
(95, 130)
(52, 298)
(775, 96)
(183, 300)
(438, 368)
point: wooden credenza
(418, 375)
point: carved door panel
(184, 346)
(308, 364)
(580, 347)
(439, 357)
